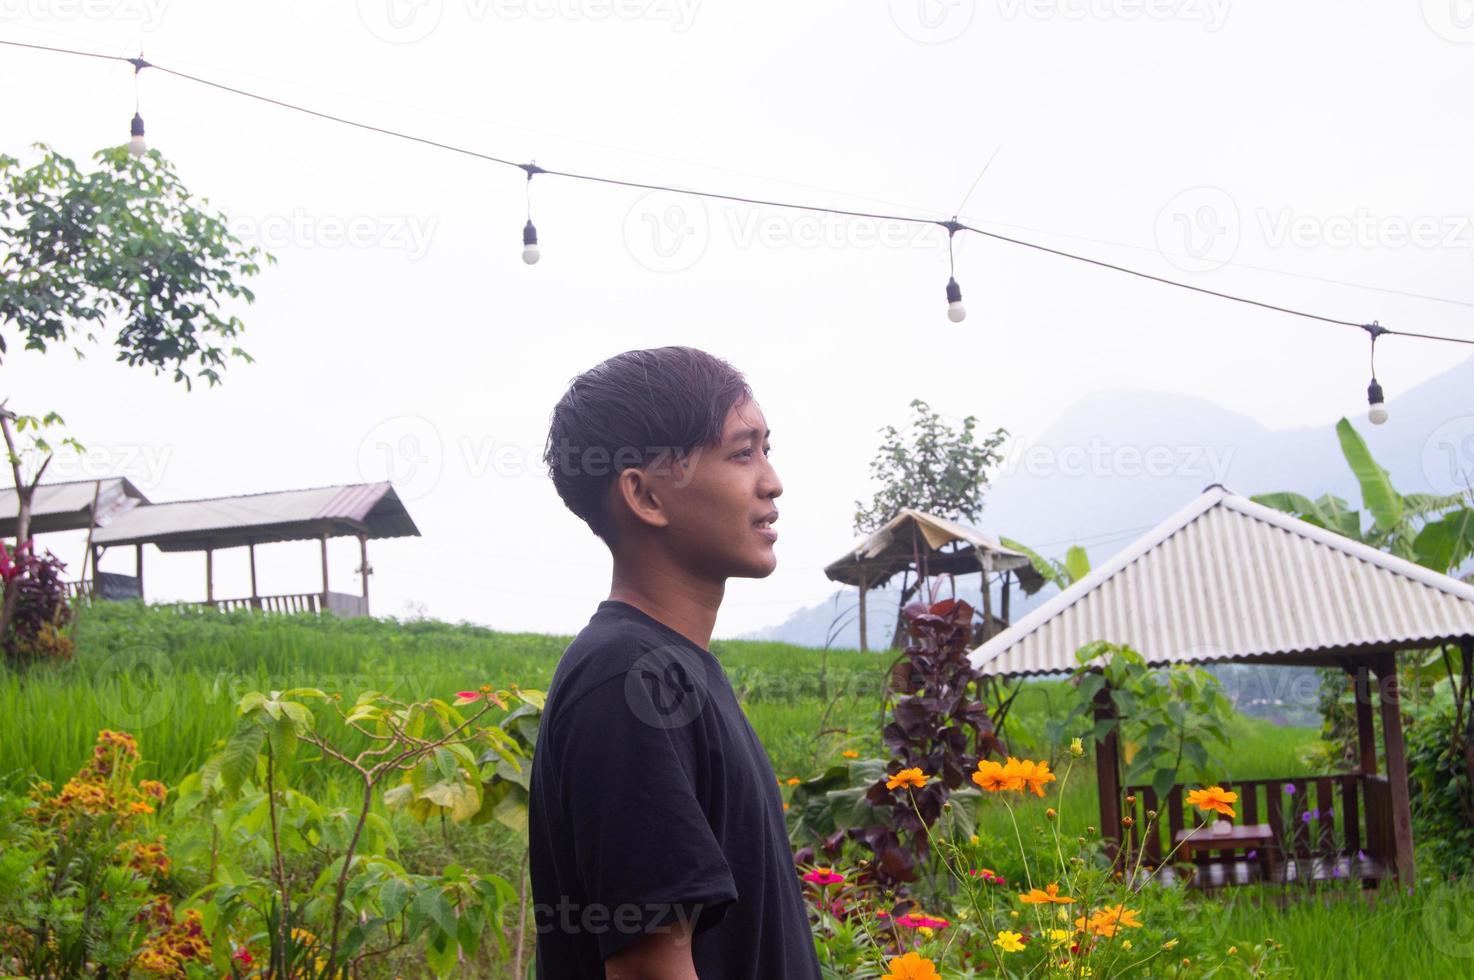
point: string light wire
(951, 225)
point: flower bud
(1076, 748)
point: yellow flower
(1076, 749)
(1125, 944)
(1214, 798)
(926, 931)
(907, 777)
(975, 840)
(850, 754)
(1170, 944)
(1058, 937)
(1009, 941)
(912, 966)
(1232, 950)
(794, 780)
(1043, 896)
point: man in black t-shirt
(658, 844)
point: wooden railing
(1311, 817)
(338, 603)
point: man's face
(719, 498)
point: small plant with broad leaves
(302, 889)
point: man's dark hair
(631, 410)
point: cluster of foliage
(303, 889)
(1437, 532)
(937, 724)
(124, 244)
(34, 588)
(1438, 777)
(1168, 720)
(1073, 908)
(84, 885)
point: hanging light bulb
(530, 254)
(1378, 413)
(956, 312)
(137, 146)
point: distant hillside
(1117, 463)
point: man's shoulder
(614, 643)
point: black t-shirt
(652, 800)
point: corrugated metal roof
(1226, 578)
(889, 550)
(67, 505)
(282, 515)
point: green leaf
(1377, 494)
(238, 760)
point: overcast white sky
(1281, 150)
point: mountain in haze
(1117, 463)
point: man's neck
(687, 605)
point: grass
(174, 680)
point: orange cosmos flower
(1045, 895)
(912, 966)
(1214, 798)
(907, 777)
(1105, 922)
(1032, 775)
(992, 777)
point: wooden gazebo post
(324, 540)
(1390, 701)
(363, 568)
(255, 596)
(863, 646)
(209, 574)
(1108, 772)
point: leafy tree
(122, 252)
(932, 468)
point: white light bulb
(530, 254)
(956, 312)
(136, 145)
(1378, 411)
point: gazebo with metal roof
(361, 510)
(921, 544)
(1227, 579)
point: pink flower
(824, 876)
(244, 957)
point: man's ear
(640, 493)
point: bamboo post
(209, 574)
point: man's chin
(760, 568)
